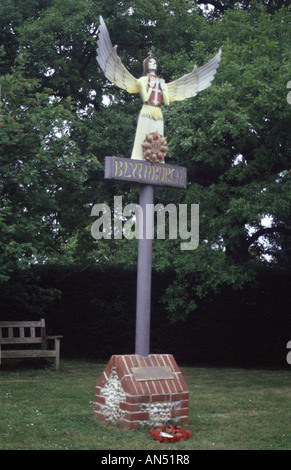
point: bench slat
(17, 324)
(24, 340)
(29, 353)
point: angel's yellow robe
(150, 118)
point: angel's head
(150, 64)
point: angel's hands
(162, 84)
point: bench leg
(57, 348)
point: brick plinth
(121, 396)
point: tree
(41, 172)
(13, 13)
(238, 157)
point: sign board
(152, 373)
(141, 171)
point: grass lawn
(230, 409)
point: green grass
(230, 409)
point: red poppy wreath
(169, 433)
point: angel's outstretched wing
(197, 80)
(111, 63)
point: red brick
(130, 424)
(100, 400)
(158, 387)
(137, 360)
(132, 361)
(180, 396)
(160, 361)
(185, 404)
(102, 380)
(160, 397)
(121, 367)
(97, 407)
(97, 390)
(174, 365)
(140, 388)
(128, 385)
(129, 406)
(171, 386)
(142, 361)
(145, 387)
(167, 361)
(137, 399)
(165, 386)
(151, 386)
(153, 360)
(179, 412)
(110, 366)
(182, 382)
(128, 363)
(184, 419)
(137, 416)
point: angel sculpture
(153, 91)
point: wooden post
(148, 176)
(144, 278)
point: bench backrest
(22, 332)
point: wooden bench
(25, 333)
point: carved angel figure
(153, 90)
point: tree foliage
(234, 138)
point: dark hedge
(95, 312)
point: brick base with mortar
(122, 397)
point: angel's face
(152, 65)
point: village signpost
(147, 168)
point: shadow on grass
(15, 365)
